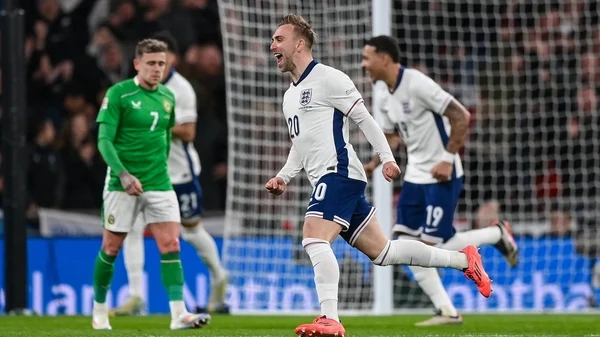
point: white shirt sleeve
(292, 166)
(361, 116)
(185, 106)
(431, 95)
(342, 94)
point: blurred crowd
(529, 72)
(75, 50)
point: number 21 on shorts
(188, 202)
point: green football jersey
(143, 119)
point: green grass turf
(271, 326)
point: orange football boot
(321, 327)
(475, 271)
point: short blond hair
(301, 27)
(149, 46)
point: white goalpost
(529, 73)
(270, 271)
(383, 303)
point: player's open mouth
(279, 57)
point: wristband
(448, 157)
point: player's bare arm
(185, 131)
(459, 121)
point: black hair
(385, 44)
(166, 37)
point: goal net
(262, 249)
(529, 73)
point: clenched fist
(390, 170)
(275, 186)
(442, 171)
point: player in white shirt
(433, 126)
(184, 170)
(317, 106)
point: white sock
(429, 280)
(206, 247)
(476, 237)
(100, 307)
(415, 253)
(133, 255)
(100, 311)
(327, 275)
(177, 309)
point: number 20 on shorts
(320, 191)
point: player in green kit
(135, 123)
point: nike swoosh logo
(309, 206)
(430, 230)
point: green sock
(171, 273)
(103, 273)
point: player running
(135, 122)
(420, 112)
(184, 171)
(317, 106)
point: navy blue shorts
(342, 200)
(427, 210)
(190, 199)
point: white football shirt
(184, 163)
(316, 110)
(416, 109)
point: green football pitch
(280, 326)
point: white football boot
(442, 317)
(190, 321)
(100, 317)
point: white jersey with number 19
(416, 108)
(316, 110)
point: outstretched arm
(389, 130)
(393, 140)
(343, 96)
(361, 116)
